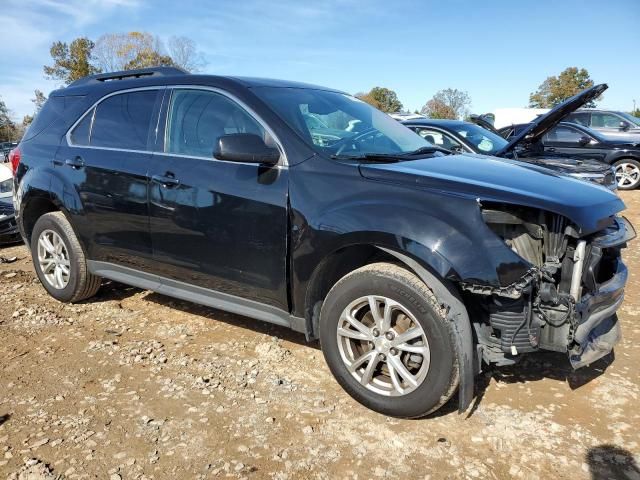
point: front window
(198, 118)
(605, 120)
(439, 139)
(483, 140)
(339, 124)
(635, 121)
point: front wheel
(388, 343)
(627, 173)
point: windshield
(484, 140)
(631, 119)
(337, 124)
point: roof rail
(130, 74)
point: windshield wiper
(427, 149)
(374, 157)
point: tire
(75, 285)
(411, 304)
(627, 173)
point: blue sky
(498, 51)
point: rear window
(50, 112)
(120, 121)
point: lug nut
(389, 335)
(393, 351)
(375, 332)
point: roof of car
(159, 76)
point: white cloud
(29, 27)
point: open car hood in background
(541, 125)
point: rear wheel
(59, 260)
(388, 342)
(627, 173)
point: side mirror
(245, 147)
(624, 125)
(584, 140)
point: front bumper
(9, 232)
(597, 329)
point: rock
(308, 430)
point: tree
(448, 103)
(184, 54)
(71, 62)
(39, 99)
(147, 59)
(555, 90)
(128, 51)
(636, 112)
(382, 98)
(8, 130)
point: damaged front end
(566, 302)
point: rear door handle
(74, 163)
(551, 149)
(166, 181)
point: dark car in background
(8, 228)
(411, 265)
(469, 137)
(610, 123)
(5, 148)
(586, 145)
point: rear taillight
(14, 159)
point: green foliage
(555, 90)
(71, 62)
(382, 98)
(448, 103)
(636, 112)
(8, 129)
(149, 58)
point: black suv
(410, 269)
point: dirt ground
(132, 384)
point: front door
(569, 141)
(217, 224)
(107, 159)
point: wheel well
(333, 268)
(33, 211)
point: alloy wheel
(627, 174)
(383, 346)
(53, 259)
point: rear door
(217, 224)
(106, 159)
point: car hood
(542, 124)
(486, 178)
(569, 165)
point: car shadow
(114, 291)
(535, 367)
(611, 461)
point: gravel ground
(132, 384)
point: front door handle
(74, 163)
(551, 149)
(167, 181)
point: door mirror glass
(584, 140)
(245, 147)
